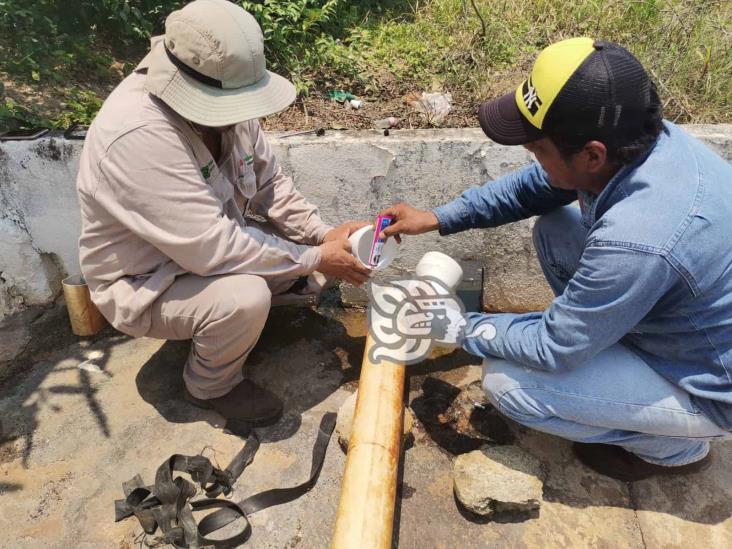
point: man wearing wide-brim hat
(174, 171)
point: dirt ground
(86, 415)
(317, 112)
(307, 113)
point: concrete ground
(84, 416)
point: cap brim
(210, 106)
(503, 122)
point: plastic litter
(435, 106)
(89, 364)
(386, 123)
(341, 96)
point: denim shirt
(655, 272)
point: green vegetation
(58, 59)
(686, 45)
(66, 49)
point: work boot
(306, 291)
(246, 402)
(616, 462)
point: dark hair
(621, 149)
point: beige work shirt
(155, 205)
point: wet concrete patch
(450, 418)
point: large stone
(345, 421)
(498, 479)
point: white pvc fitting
(442, 267)
(361, 242)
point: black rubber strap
(167, 504)
(240, 462)
(193, 73)
(277, 496)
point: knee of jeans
(497, 381)
(508, 395)
(561, 220)
(538, 230)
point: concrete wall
(351, 175)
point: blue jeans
(616, 398)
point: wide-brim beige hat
(210, 67)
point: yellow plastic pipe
(365, 517)
(368, 491)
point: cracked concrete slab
(72, 436)
(676, 511)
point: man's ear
(594, 156)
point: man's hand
(409, 220)
(342, 232)
(336, 260)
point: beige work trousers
(224, 316)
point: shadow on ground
(28, 393)
(302, 355)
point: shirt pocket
(246, 177)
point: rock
(345, 421)
(498, 479)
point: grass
(685, 45)
(384, 50)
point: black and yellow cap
(577, 87)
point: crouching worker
(173, 169)
(633, 358)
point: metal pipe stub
(86, 320)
